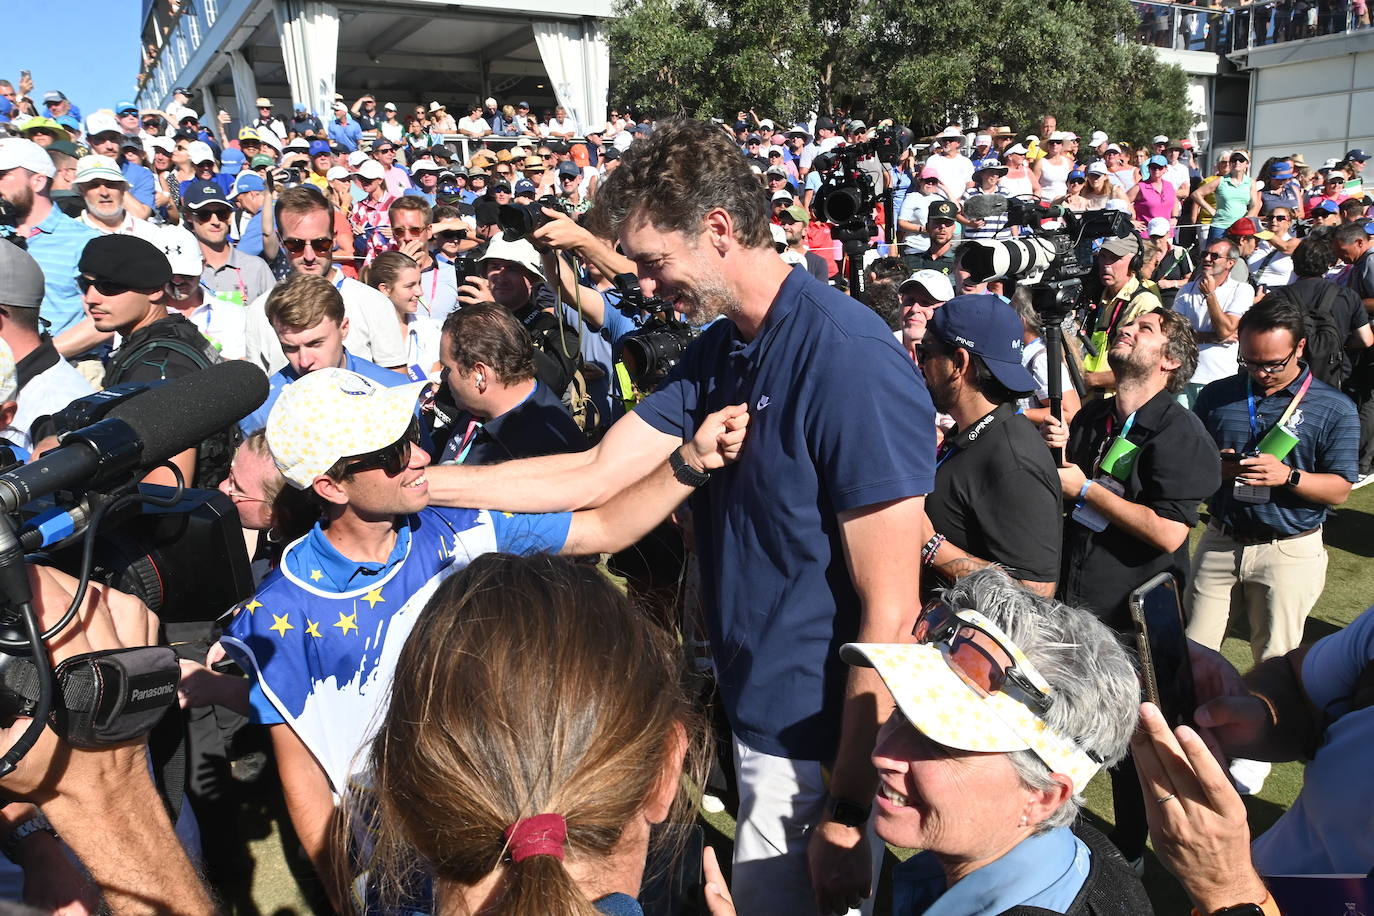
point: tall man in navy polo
(812, 539)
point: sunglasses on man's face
(204, 216)
(414, 232)
(103, 287)
(393, 459)
(322, 245)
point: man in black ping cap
(124, 288)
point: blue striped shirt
(1328, 434)
(56, 244)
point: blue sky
(86, 48)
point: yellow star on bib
(312, 629)
(347, 622)
(316, 575)
(252, 606)
(373, 597)
(281, 625)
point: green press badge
(1120, 458)
(1278, 442)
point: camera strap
(105, 697)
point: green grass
(269, 886)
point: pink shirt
(1150, 204)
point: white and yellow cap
(331, 414)
(940, 705)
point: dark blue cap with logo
(988, 326)
(1357, 155)
(1327, 206)
(203, 194)
(319, 148)
(524, 186)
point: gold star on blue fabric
(347, 622)
(281, 625)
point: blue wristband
(1083, 491)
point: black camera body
(518, 221)
(651, 351)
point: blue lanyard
(1254, 421)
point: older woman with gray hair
(1007, 704)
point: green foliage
(926, 64)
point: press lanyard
(469, 437)
(1107, 443)
(1292, 405)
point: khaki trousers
(1275, 584)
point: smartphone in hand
(1165, 671)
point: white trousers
(779, 801)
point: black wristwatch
(1244, 909)
(849, 813)
(686, 475)
(1294, 477)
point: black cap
(942, 209)
(609, 154)
(558, 146)
(127, 260)
(184, 134)
(824, 124)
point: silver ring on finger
(1160, 801)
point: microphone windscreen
(985, 206)
(184, 412)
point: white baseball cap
(1098, 138)
(199, 152)
(1160, 139)
(1157, 227)
(357, 158)
(1097, 168)
(520, 251)
(425, 165)
(97, 168)
(19, 153)
(332, 413)
(162, 143)
(182, 250)
(102, 122)
(370, 169)
(933, 281)
(337, 172)
(269, 137)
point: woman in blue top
(1007, 704)
(537, 732)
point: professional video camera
(847, 196)
(517, 221)
(80, 507)
(1052, 264)
(651, 351)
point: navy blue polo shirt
(839, 419)
(1328, 432)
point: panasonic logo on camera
(151, 692)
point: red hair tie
(540, 835)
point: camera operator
(846, 473)
(1137, 466)
(101, 801)
(996, 497)
(512, 275)
(1124, 298)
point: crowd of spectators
(893, 541)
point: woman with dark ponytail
(537, 735)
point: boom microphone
(141, 432)
(985, 206)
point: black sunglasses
(393, 459)
(219, 213)
(452, 235)
(321, 245)
(104, 287)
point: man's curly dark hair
(680, 173)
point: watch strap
(9, 846)
(849, 813)
(686, 475)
